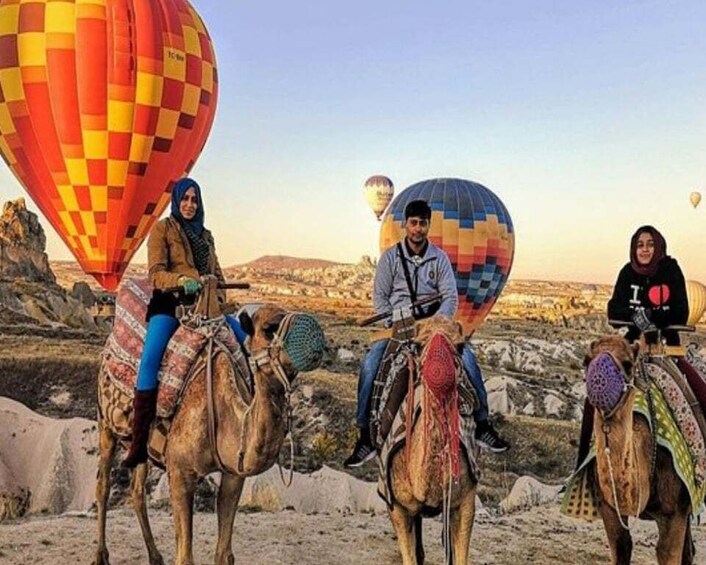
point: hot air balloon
(103, 105)
(695, 198)
(471, 224)
(696, 295)
(378, 192)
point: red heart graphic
(658, 294)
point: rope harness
(440, 373)
(607, 387)
(301, 338)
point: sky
(586, 119)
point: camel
(249, 436)
(419, 479)
(659, 495)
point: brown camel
(260, 426)
(420, 480)
(658, 495)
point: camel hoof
(102, 558)
(156, 560)
(228, 560)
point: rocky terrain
(530, 349)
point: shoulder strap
(408, 278)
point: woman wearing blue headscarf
(180, 251)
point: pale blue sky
(586, 119)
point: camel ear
(246, 323)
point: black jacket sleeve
(619, 304)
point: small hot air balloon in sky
(103, 105)
(696, 295)
(378, 190)
(471, 224)
(695, 198)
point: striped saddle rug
(123, 349)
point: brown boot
(144, 407)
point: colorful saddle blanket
(123, 350)
(395, 440)
(581, 497)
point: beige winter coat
(169, 256)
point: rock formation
(23, 245)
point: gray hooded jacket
(430, 274)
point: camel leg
(619, 538)
(106, 447)
(689, 551)
(228, 497)
(182, 485)
(672, 534)
(139, 476)
(462, 526)
(419, 543)
(403, 522)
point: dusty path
(538, 536)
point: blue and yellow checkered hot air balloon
(471, 224)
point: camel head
(440, 360)
(609, 373)
(283, 342)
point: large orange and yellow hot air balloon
(378, 192)
(471, 224)
(103, 105)
(696, 295)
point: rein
(644, 386)
(269, 357)
(266, 357)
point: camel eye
(270, 329)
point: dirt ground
(540, 535)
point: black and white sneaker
(487, 437)
(362, 453)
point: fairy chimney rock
(23, 245)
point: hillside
(277, 262)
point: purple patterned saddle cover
(123, 349)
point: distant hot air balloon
(103, 105)
(695, 198)
(378, 192)
(473, 227)
(696, 294)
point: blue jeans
(370, 367)
(160, 330)
(238, 330)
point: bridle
(629, 382)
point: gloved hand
(190, 286)
(641, 318)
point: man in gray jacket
(430, 272)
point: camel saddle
(123, 350)
(581, 498)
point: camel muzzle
(302, 339)
(606, 383)
(439, 367)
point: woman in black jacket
(650, 291)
